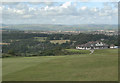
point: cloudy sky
(59, 13)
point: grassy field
(0, 69)
(102, 65)
(59, 41)
(40, 38)
(78, 51)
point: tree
(11, 52)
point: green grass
(106, 52)
(0, 69)
(102, 65)
(59, 41)
(78, 51)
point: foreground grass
(0, 69)
(102, 65)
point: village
(105, 32)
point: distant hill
(50, 27)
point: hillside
(50, 27)
(102, 65)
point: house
(92, 45)
(113, 46)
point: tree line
(24, 44)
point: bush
(6, 55)
(47, 53)
(11, 52)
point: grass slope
(102, 65)
(78, 51)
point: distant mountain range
(50, 27)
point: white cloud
(27, 16)
(31, 9)
(53, 20)
(60, 0)
(94, 9)
(68, 12)
(19, 11)
(83, 8)
(66, 4)
(1, 8)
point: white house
(113, 46)
(92, 45)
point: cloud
(83, 8)
(66, 13)
(10, 3)
(19, 11)
(27, 16)
(53, 20)
(66, 4)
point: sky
(69, 13)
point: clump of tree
(52, 52)
(24, 44)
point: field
(78, 51)
(41, 39)
(102, 65)
(59, 41)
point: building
(92, 45)
(113, 46)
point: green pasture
(102, 65)
(59, 41)
(78, 51)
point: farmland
(102, 65)
(59, 41)
(20, 43)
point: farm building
(92, 45)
